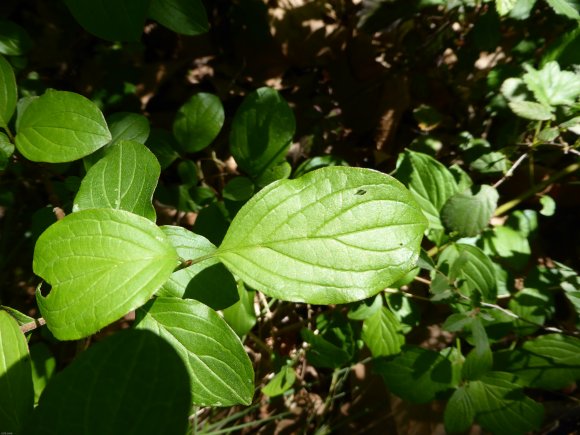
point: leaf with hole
(132, 382)
(60, 127)
(315, 240)
(221, 372)
(101, 264)
(124, 179)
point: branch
(31, 326)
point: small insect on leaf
(360, 192)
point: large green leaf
(262, 131)
(61, 127)
(551, 86)
(469, 212)
(101, 263)
(198, 122)
(476, 270)
(417, 375)
(382, 333)
(8, 92)
(220, 370)
(17, 394)
(131, 383)
(432, 183)
(114, 20)
(187, 17)
(334, 235)
(124, 179)
(501, 407)
(550, 362)
(569, 8)
(207, 281)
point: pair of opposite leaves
(315, 239)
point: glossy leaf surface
(101, 264)
(124, 179)
(61, 126)
(334, 235)
(198, 122)
(220, 370)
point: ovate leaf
(149, 381)
(569, 8)
(476, 271)
(17, 398)
(220, 370)
(469, 212)
(382, 333)
(281, 382)
(334, 235)
(262, 131)
(14, 40)
(531, 110)
(187, 17)
(101, 263)
(198, 122)
(61, 127)
(114, 20)
(432, 183)
(549, 362)
(8, 92)
(124, 179)
(417, 375)
(501, 407)
(128, 126)
(207, 281)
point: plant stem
(31, 326)
(504, 208)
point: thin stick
(31, 326)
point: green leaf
(101, 263)
(14, 40)
(198, 122)
(431, 183)
(551, 86)
(530, 110)
(221, 372)
(417, 375)
(382, 333)
(504, 6)
(476, 269)
(132, 382)
(124, 179)
(17, 398)
(459, 412)
(262, 131)
(326, 353)
(469, 212)
(569, 8)
(548, 205)
(511, 246)
(280, 383)
(6, 151)
(241, 316)
(113, 20)
(43, 367)
(529, 304)
(187, 17)
(364, 309)
(479, 361)
(61, 127)
(128, 126)
(335, 235)
(239, 189)
(207, 281)
(549, 362)
(8, 92)
(501, 406)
